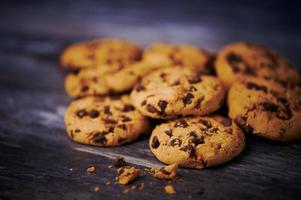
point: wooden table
(38, 161)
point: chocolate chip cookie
(239, 59)
(102, 81)
(104, 121)
(266, 108)
(177, 91)
(197, 142)
(110, 53)
(164, 54)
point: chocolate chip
(195, 79)
(99, 138)
(270, 107)
(197, 141)
(115, 97)
(168, 132)
(285, 114)
(155, 142)
(226, 122)
(81, 113)
(233, 58)
(282, 100)
(151, 108)
(111, 130)
(193, 134)
(177, 82)
(175, 60)
(84, 88)
(199, 102)
(77, 130)
(187, 99)
(143, 103)
(119, 162)
(189, 149)
(205, 123)
(192, 89)
(110, 121)
(121, 140)
(139, 87)
(213, 130)
(254, 86)
(107, 110)
(121, 126)
(125, 118)
(93, 113)
(128, 107)
(181, 123)
(249, 70)
(175, 142)
(162, 104)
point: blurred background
(208, 23)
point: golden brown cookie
(164, 54)
(104, 121)
(107, 52)
(177, 91)
(102, 81)
(239, 59)
(197, 142)
(266, 108)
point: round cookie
(197, 142)
(108, 52)
(107, 121)
(239, 59)
(101, 81)
(266, 108)
(164, 54)
(176, 91)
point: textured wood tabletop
(38, 161)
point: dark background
(35, 154)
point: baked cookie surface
(177, 91)
(266, 108)
(197, 142)
(107, 52)
(164, 54)
(239, 59)
(102, 81)
(107, 121)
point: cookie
(102, 81)
(164, 54)
(176, 91)
(197, 142)
(104, 121)
(110, 53)
(266, 108)
(239, 59)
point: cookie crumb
(126, 190)
(167, 172)
(107, 183)
(169, 189)
(127, 175)
(110, 166)
(91, 169)
(119, 162)
(96, 189)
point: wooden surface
(38, 161)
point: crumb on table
(91, 169)
(167, 172)
(119, 162)
(127, 174)
(169, 189)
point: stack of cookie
(119, 88)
